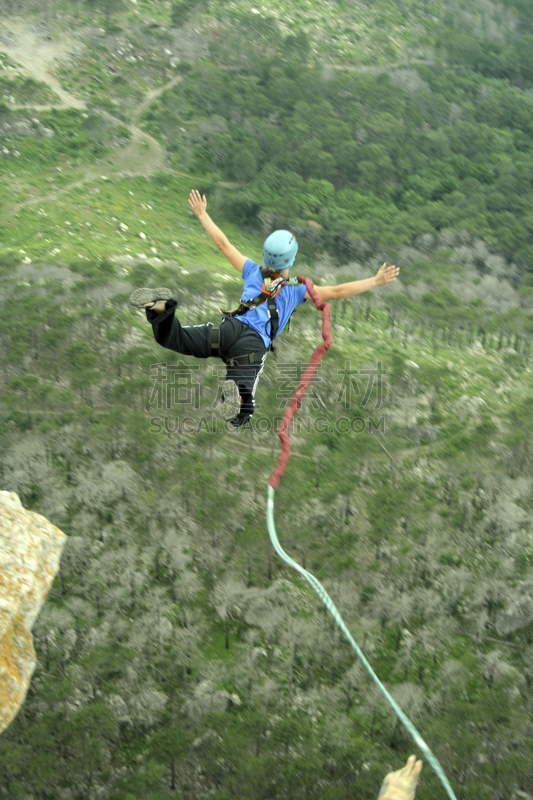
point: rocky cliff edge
(30, 550)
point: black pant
(236, 339)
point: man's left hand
(386, 274)
(197, 203)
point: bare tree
(411, 699)
(144, 703)
(187, 640)
(381, 606)
(26, 467)
(152, 631)
(455, 588)
(351, 681)
(227, 596)
(452, 680)
(402, 610)
(249, 666)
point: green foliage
(396, 166)
(385, 507)
(155, 487)
(297, 46)
(522, 413)
(9, 261)
(96, 272)
(442, 298)
(483, 433)
(26, 90)
(181, 10)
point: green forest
(178, 657)
(372, 154)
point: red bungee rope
(307, 377)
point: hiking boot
(228, 402)
(144, 298)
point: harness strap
(214, 341)
(245, 358)
(240, 360)
(273, 314)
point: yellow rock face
(30, 550)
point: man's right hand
(197, 203)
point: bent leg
(246, 378)
(190, 340)
(237, 339)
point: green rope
(283, 459)
(330, 605)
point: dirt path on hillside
(150, 97)
(143, 155)
(36, 57)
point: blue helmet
(279, 250)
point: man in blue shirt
(244, 337)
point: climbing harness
(309, 577)
(240, 360)
(270, 289)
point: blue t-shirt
(286, 301)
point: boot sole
(140, 298)
(229, 403)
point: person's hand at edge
(401, 785)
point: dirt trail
(150, 97)
(36, 57)
(143, 155)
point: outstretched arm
(384, 275)
(198, 205)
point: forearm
(213, 231)
(343, 290)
